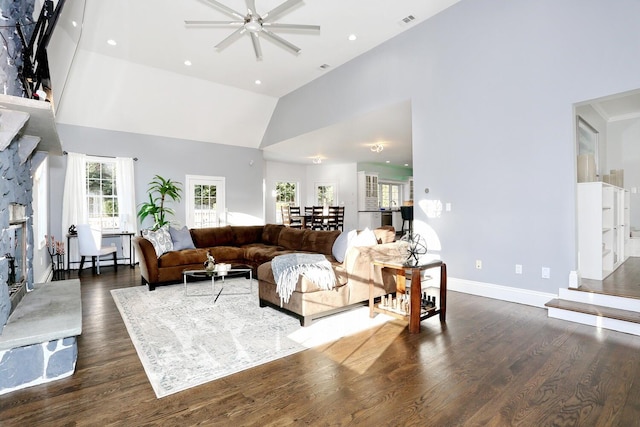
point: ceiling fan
(255, 25)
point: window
(325, 194)
(286, 195)
(389, 195)
(205, 201)
(102, 198)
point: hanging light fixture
(376, 148)
(317, 160)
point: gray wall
(170, 158)
(492, 84)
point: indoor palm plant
(160, 191)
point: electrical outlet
(518, 268)
(479, 264)
(546, 272)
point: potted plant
(160, 191)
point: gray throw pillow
(181, 238)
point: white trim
(499, 292)
(220, 183)
(596, 321)
(611, 301)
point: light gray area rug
(187, 340)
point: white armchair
(90, 244)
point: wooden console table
(416, 314)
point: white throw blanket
(288, 268)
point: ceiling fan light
(253, 26)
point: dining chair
(90, 244)
(287, 219)
(317, 218)
(332, 217)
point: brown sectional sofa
(256, 246)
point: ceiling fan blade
(225, 9)
(291, 26)
(231, 38)
(251, 7)
(256, 46)
(282, 42)
(215, 23)
(279, 10)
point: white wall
(282, 172)
(170, 158)
(492, 85)
(627, 132)
(344, 176)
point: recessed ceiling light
(406, 164)
(388, 161)
(258, 82)
(352, 37)
(187, 63)
(74, 23)
(111, 42)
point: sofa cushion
(319, 241)
(245, 235)
(291, 238)
(385, 234)
(364, 238)
(304, 285)
(271, 233)
(227, 254)
(341, 245)
(213, 236)
(160, 239)
(259, 253)
(184, 257)
(181, 238)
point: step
(627, 321)
(600, 299)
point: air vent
(325, 66)
(408, 19)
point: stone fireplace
(16, 228)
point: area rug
(187, 340)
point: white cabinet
(603, 215)
(369, 220)
(367, 191)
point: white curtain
(125, 187)
(74, 206)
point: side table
(416, 314)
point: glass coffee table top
(200, 275)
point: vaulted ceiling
(121, 65)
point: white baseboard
(47, 276)
(597, 321)
(504, 293)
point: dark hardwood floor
(624, 282)
(493, 363)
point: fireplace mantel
(41, 122)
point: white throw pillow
(365, 238)
(160, 239)
(341, 245)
